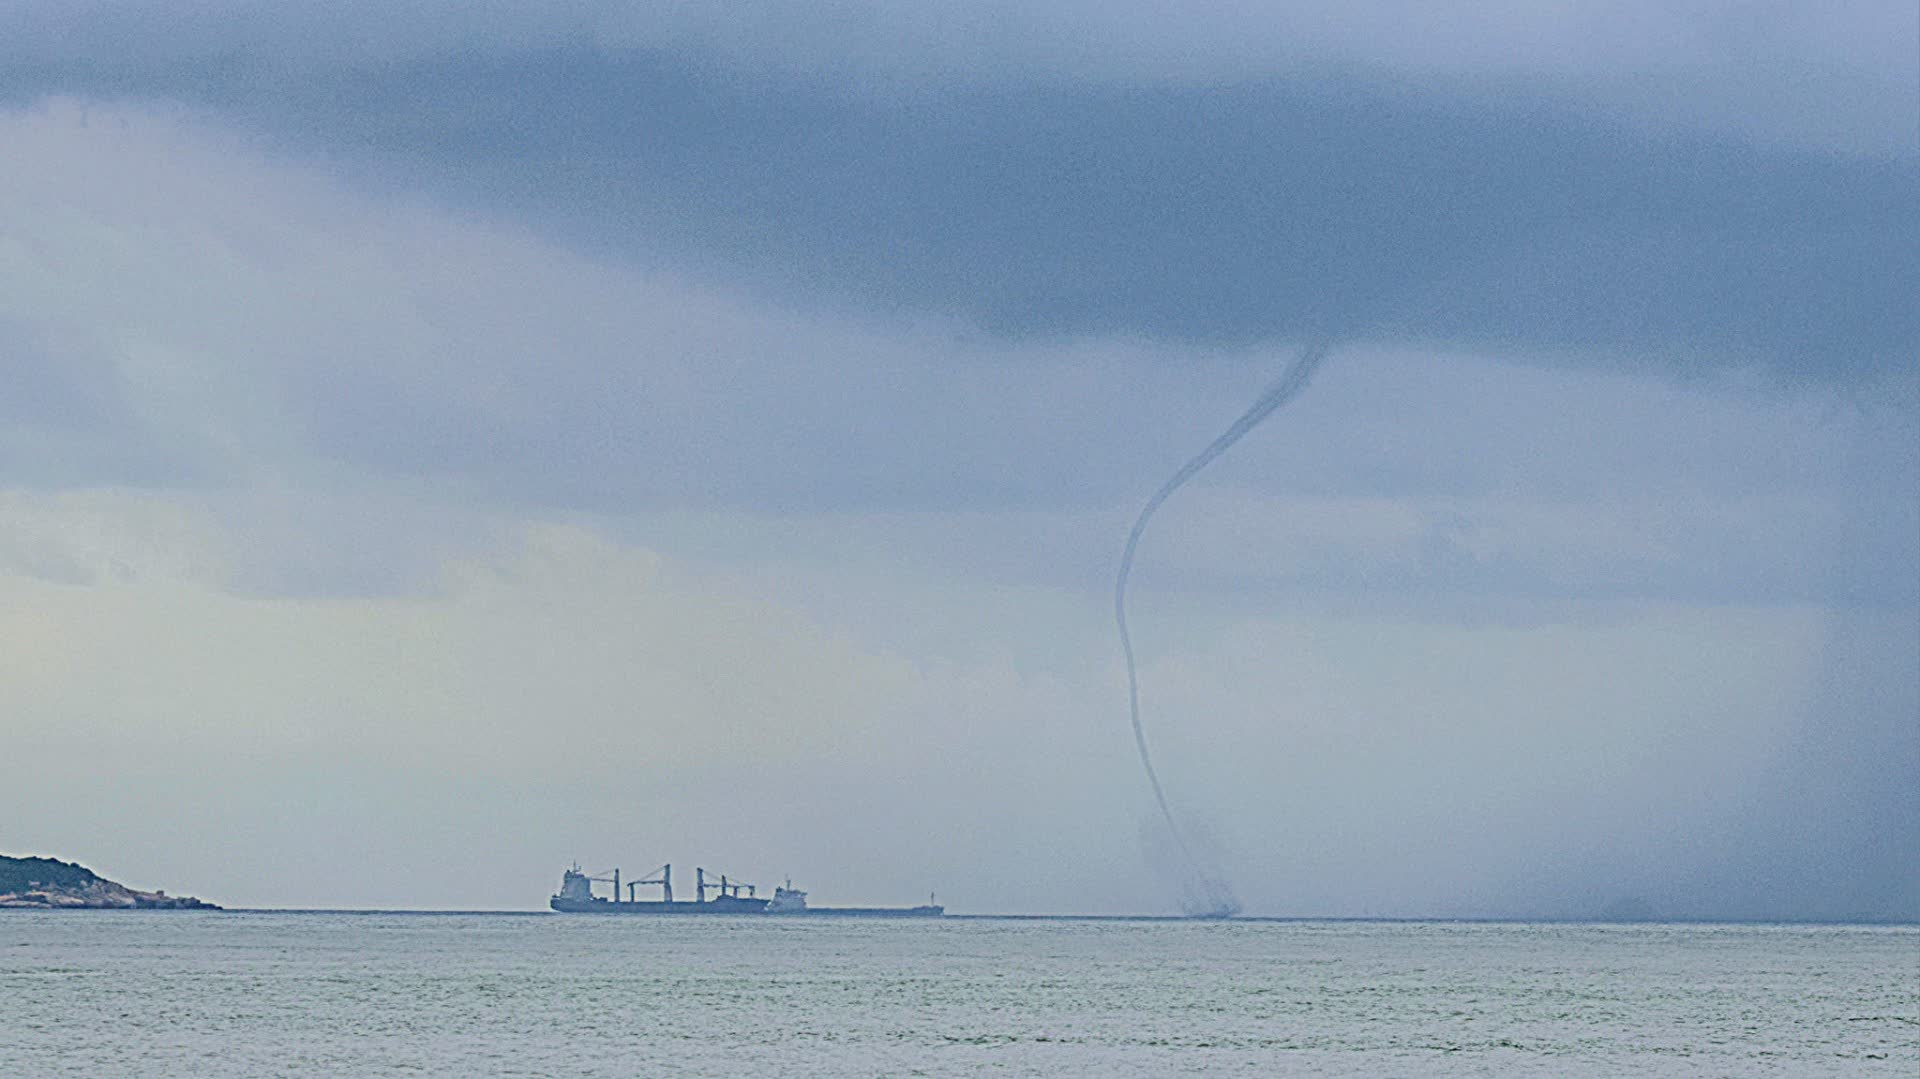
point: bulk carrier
(730, 897)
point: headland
(50, 884)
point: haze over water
(260, 993)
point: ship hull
(863, 912)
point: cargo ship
(576, 896)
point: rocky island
(49, 884)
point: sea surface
(172, 993)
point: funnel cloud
(1217, 898)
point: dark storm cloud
(1257, 210)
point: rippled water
(241, 993)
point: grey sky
(474, 428)
(1838, 76)
(1502, 214)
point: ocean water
(157, 993)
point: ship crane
(664, 878)
(614, 880)
(726, 888)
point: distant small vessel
(576, 897)
(790, 900)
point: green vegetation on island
(50, 884)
